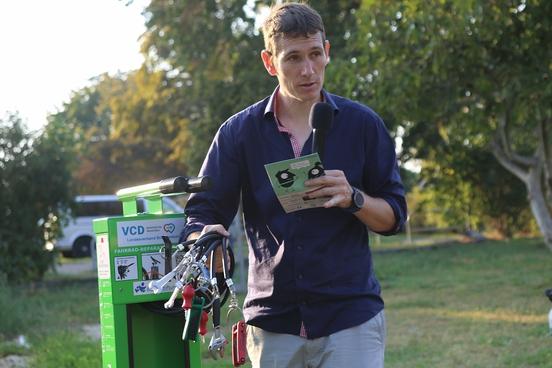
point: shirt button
(300, 276)
(299, 247)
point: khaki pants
(361, 346)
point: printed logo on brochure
(285, 178)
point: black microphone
(320, 120)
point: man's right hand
(207, 228)
(218, 258)
(218, 228)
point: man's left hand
(334, 185)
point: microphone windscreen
(321, 116)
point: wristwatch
(357, 201)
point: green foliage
(470, 189)
(441, 72)
(34, 186)
(213, 50)
(457, 64)
(447, 72)
(125, 130)
(158, 121)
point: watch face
(358, 198)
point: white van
(78, 235)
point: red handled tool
(187, 296)
(239, 349)
(203, 323)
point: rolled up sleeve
(382, 178)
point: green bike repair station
(136, 330)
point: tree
(213, 49)
(125, 130)
(203, 65)
(469, 188)
(35, 187)
(466, 75)
(159, 120)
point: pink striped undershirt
(297, 148)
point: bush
(34, 182)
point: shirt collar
(270, 105)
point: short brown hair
(291, 20)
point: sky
(50, 48)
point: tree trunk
(529, 170)
(537, 200)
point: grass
(67, 349)
(476, 305)
(50, 315)
(470, 305)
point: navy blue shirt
(312, 266)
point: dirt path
(14, 361)
(85, 265)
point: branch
(503, 122)
(510, 165)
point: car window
(171, 207)
(168, 207)
(99, 209)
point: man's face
(299, 64)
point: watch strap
(354, 207)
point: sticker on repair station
(126, 268)
(142, 287)
(153, 266)
(102, 249)
(148, 232)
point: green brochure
(288, 177)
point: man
(313, 299)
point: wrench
(216, 346)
